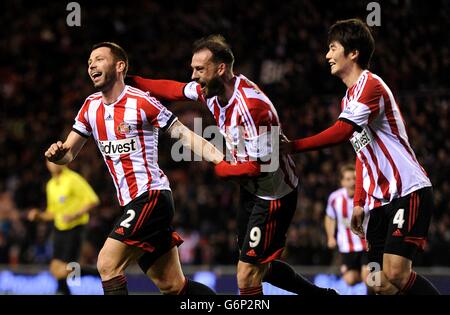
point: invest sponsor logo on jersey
(118, 147)
(361, 140)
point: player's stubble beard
(214, 87)
(110, 79)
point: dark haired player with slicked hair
(268, 199)
(390, 180)
(125, 122)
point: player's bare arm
(195, 143)
(330, 227)
(64, 153)
(36, 214)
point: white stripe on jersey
(247, 117)
(360, 87)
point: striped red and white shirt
(390, 167)
(340, 209)
(126, 133)
(246, 123)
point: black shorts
(146, 223)
(262, 226)
(400, 227)
(67, 244)
(355, 260)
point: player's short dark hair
(345, 168)
(354, 34)
(118, 52)
(218, 46)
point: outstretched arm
(163, 89)
(195, 143)
(341, 131)
(64, 153)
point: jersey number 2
(131, 214)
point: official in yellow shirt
(69, 200)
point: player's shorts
(400, 227)
(67, 244)
(354, 260)
(146, 223)
(262, 226)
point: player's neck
(56, 174)
(228, 90)
(111, 95)
(352, 75)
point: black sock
(89, 271)
(418, 285)
(192, 287)
(115, 286)
(251, 291)
(283, 276)
(63, 288)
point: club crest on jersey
(124, 128)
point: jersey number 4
(398, 218)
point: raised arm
(64, 153)
(195, 143)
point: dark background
(281, 45)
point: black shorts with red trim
(262, 226)
(146, 223)
(401, 227)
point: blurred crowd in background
(279, 45)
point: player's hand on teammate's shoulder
(56, 151)
(357, 221)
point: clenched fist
(56, 152)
